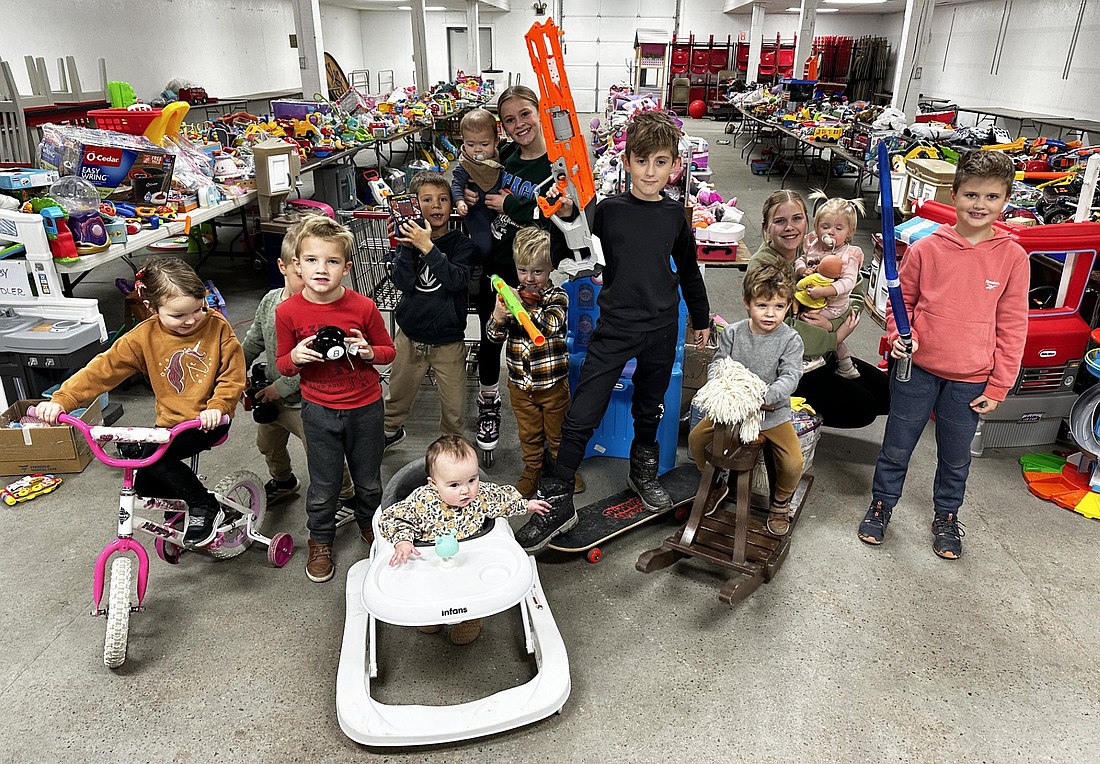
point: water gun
(515, 307)
(567, 150)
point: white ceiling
(770, 6)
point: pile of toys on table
(715, 221)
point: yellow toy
(29, 487)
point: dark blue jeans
(331, 436)
(911, 403)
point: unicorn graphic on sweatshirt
(186, 364)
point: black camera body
(331, 342)
(262, 411)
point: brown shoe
(430, 629)
(719, 493)
(527, 484)
(319, 567)
(367, 534)
(466, 632)
(779, 521)
(578, 484)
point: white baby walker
(490, 574)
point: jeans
(332, 435)
(911, 403)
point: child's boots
(643, 477)
(557, 490)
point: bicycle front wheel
(118, 613)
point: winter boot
(540, 529)
(488, 422)
(643, 477)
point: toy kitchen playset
(44, 336)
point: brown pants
(784, 444)
(539, 414)
(407, 373)
(271, 439)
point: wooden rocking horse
(732, 537)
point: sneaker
(488, 422)
(642, 478)
(947, 534)
(848, 372)
(718, 495)
(466, 632)
(540, 529)
(346, 512)
(811, 363)
(319, 567)
(873, 528)
(393, 440)
(367, 534)
(201, 529)
(779, 518)
(278, 490)
(434, 629)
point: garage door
(600, 43)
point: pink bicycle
(240, 494)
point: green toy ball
(446, 546)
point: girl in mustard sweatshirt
(196, 367)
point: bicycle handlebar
(94, 443)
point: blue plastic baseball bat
(903, 366)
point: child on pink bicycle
(196, 367)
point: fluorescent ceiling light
(427, 7)
(796, 9)
(854, 2)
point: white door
(599, 43)
(456, 50)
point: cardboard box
(123, 168)
(44, 449)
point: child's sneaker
(847, 369)
(811, 363)
(779, 518)
(319, 567)
(466, 632)
(393, 440)
(278, 490)
(947, 536)
(433, 629)
(873, 528)
(202, 528)
(488, 422)
(717, 495)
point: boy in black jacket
(432, 270)
(639, 318)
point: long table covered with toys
(146, 177)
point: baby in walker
(828, 271)
(454, 502)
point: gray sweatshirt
(261, 339)
(775, 357)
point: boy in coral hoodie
(965, 289)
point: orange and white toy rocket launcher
(567, 150)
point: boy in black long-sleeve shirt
(640, 232)
(432, 270)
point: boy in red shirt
(965, 289)
(342, 410)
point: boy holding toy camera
(275, 400)
(342, 406)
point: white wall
(959, 57)
(342, 35)
(230, 48)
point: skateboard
(622, 511)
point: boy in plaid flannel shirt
(538, 377)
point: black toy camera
(331, 342)
(262, 411)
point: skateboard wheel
(681, 514)
(594, 555)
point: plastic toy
(81, 201)
(490, 574)
(902, 366)
(566, 149)
(241, 496)
(60, 237)
(331, 342)
(28, 488)
(515, 307)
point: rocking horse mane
(732, 395)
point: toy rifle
(515, 307)
(567, 150)
(902, 366)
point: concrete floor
(852, 653)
